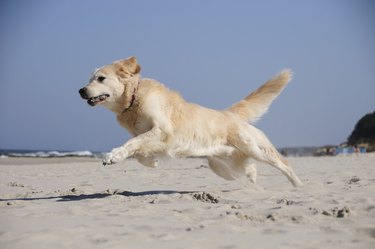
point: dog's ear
(134, 65)
(127, 66)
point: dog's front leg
(116, 155)
(144, 144)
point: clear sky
(213, 52)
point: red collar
(133, 97)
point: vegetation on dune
(364, 131)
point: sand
(77, 203)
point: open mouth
(98, 99)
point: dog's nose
(83, 92)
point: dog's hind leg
(251, 172)
(275, 159)
(253, 143)
(232, 167)
(221, 167)
(272, 157)
(147, 161)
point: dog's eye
(101, 78)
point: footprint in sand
(15, 184)
(205, 197)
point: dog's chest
(136, 124)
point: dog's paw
(115, 156)
(108, 160)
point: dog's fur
(164, 124)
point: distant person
(356, 149)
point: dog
(163, 124)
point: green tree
(364, 130)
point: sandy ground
(77, 203)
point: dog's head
(113, 84)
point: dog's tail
(257, 103)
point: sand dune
(70, 203)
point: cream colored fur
(164, 124)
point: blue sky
(213, 52)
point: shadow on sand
(80, 197)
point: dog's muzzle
(83, 93)
(92, 100)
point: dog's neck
(132, 100)
(127, 100)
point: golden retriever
(164, 124)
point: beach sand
(78, 203)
